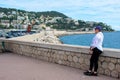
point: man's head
(98, 29)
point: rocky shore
(63, 33)
(42, 37)
(47, 36)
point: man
(95, 51)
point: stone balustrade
(68, 55)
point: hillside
(53, 19)
(8, 11)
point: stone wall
(73, 56)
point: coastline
(63, 33)
(47, 36)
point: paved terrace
(17, 67)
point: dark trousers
(94, 59)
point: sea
(111, 39)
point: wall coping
(108, 52)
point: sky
(107, 11)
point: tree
(2, 26)
(11, 27)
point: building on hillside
(20, 17)
(5, 23)
(76, 22)
(9, 16)
(14, 12)
(54, 20)
(69, 20)
(24, 26)
(90, 22)
(86, 29)
(1, 14)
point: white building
(5, 23)
(14, 12)
(1, 14)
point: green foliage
(51, 14)
(2, 26)
(11, 27)
(5, 27)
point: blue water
(111, 39)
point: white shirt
(98, 41)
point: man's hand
(91, 50)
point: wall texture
(73, 56)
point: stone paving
(17, 67)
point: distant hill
(53, 19)
(51, 14)
(46, 13)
